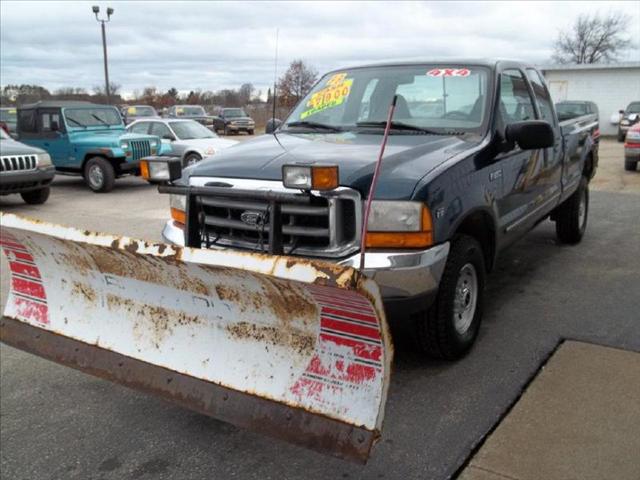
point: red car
(632, 148)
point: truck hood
(107, 138)
(407, 158)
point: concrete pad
(579, 419)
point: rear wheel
(99, 175)
(36, 197)
(450, 326)
(191, 159)
(571, 216)
(630, 165)
(620, 135)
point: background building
(611, 86)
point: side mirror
(530, 134)
(272, 125)
(621, 112)
(168, 138)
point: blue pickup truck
(475, 159)
(86, 139)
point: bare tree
(296, 82)
(593, 39)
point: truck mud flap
(296, 349)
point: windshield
(191, 130)
(8, 115)
(190, 111)
(143, 111)
(234, 112)
(92, 117)
(570, 110)
(436, 98)
(633, 107)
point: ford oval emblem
(252, 218)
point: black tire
(571, 222)
(250, 132)
(440, 333)
(225, 131)
(630, 165)
(621, 136)
(36, 197)
(99, 175)
(191, 159)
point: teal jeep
(86, 139)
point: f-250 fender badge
(495, 175)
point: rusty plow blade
(291, 348)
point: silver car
(189, 140)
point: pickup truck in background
(234, 120)
(86, 139)
(131, 113)
(192, 112)
(458, 184)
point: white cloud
(191, 45)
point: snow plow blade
(287, 347)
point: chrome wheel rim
(96, 176)
(465, 299)
(582, 209)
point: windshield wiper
(399, 126)
(76, 122)
(100, 120)
(316, 125)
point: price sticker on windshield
(449, 72)
(131, 110)
(337, 89)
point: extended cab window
(542, 96)
(515, 101)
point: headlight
(624, 122)
(310, 177)
(44, 160)
(399, 224)
(159, 170)
(124, 145)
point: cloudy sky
(211, 45)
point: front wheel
(250, 132)
(630, 165)
(99, 175)
(450, 326)
(621, 135)
(36, 197)
(191, 159)
(572, 214)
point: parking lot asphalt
(57, 423)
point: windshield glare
(234, 112)
(191, 130)
(190, 111)
(434, 97)
(92, 117)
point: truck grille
(326, 227)
(18, 163)
(140, 149)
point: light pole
(96, 11)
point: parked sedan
(138, 112)
(632, 148)
(188, 139)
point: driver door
(52, 136)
